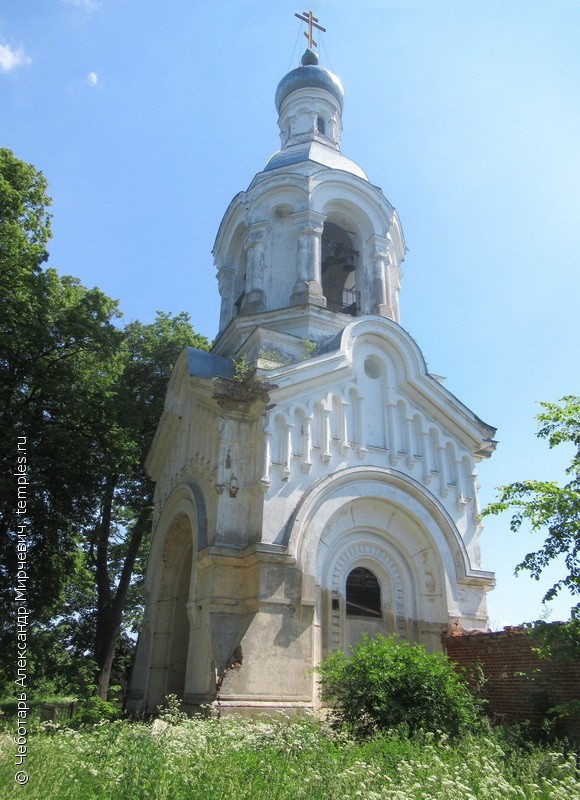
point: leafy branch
(549, 506)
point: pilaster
(377, 300)
(308, 286)
(255, 247)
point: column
(426, 457)
(373, 291)
(287, 462)
(265, 479)
(475, 497)
(307, 444)
(342, 432)
(325, 436)
(393, 286)
(226, 285)
(308, 286)
(460, 494)
(409, 442)
(443, 484)
(255, 247)
(361, 425)
(394, 440)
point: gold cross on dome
(312, 23)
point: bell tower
(328, 491)
(311, 241)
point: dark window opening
(321, 126)
(339, 260)
(363, 594)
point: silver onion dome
(309, 74)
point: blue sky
(147, 118)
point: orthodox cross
(312, 23)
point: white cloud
(11, 58)
(92, 79)
(87, 5)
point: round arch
(379, 534)
(358, 202)
(332, 498)
(163, 647)
(169, 623)
(186, 499)
(388, 523)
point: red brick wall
(518, 685)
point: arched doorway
(179, 633)
(171, 623)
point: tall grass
(203, 759)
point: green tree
(549, 508)
(58, 361)
(83, 396)
(124, 516)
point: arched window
(338, 261)
(363, 594)
(320, 125)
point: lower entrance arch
(171, 624)
(382, 521)
(365, 590)
(179, 633)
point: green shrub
(93, 710)
(387, 684)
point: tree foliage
(115, 540)
(386, 684)
(548, 507)
(58, 360)
(84, 396)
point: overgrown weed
(275, 757)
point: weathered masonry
(333, 490)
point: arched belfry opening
(339, 263)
